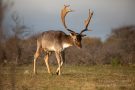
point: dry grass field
(73, 78)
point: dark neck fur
(68, 40)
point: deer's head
(77, 37)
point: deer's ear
(72, 34)
(83, 35)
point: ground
(101, 77)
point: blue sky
(43, 15)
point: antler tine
(86, 22)
(64, 12)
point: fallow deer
(57, 41)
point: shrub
(115, 61)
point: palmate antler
(86, 22)
(64, 12)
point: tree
(122, 44)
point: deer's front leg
(60, 62)
(62, 56)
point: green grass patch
(104, 77)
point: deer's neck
(68, 41)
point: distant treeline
(118, 49)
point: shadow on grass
(76, 74)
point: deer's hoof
(57, 73)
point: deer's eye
(78, 38)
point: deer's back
(51, 40)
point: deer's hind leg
(46, 58)
(36, 55)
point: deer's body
(57, 41)
(54, 41)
